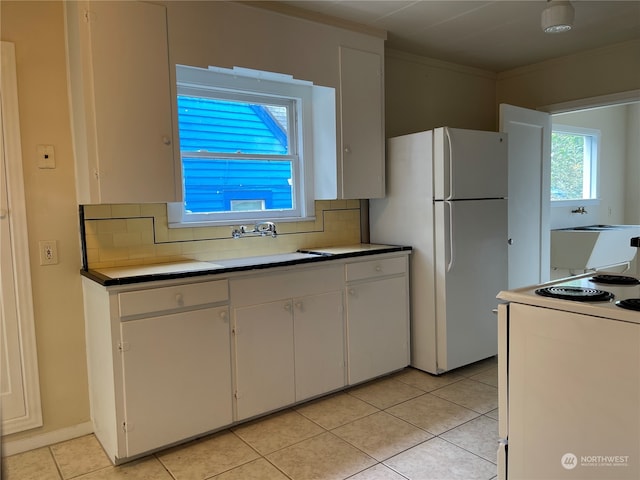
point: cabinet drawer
(376, 268)
(276, 286)
(157, 300)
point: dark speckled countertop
(193, 268)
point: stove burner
(578, 294)
(614, 279)
(629, 303)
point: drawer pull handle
(378, 268)
(179, 300)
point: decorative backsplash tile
(132, 234)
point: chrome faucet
(261, 228)
(580, 210)
(265, 228)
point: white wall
(37, 30)
(423, 93)
(603, 71)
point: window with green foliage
(574, 163)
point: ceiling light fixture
(557, 17)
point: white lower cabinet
(287, 349)
(319, 343)
(176, 377)
(159, 364)
(377, 303)
(172, 360)
(264, 358)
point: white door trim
(11, 152)
(631, 96)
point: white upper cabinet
(362, 124)
(121, 57)
(121, 102)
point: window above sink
(247, 144)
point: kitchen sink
(592, 246)
(265, 259)
(600, 227)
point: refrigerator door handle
(449, 162)
(450, 245)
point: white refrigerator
(447, 198)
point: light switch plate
(46, 157)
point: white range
(569, 379)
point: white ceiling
(493, 35)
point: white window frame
(238, 81)
(591, 166)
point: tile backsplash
(134, 234)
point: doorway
(616, 118)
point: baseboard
(45, 439)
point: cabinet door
(378, 328)
(319, 344)
(177, 377)
(264, 357)
(361, 92)
(132, 102)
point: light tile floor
(409, 425)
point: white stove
(569, 380)
(591, 303)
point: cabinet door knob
(3, 212)
(378, 268)
(352, 291)
(347, 149)
(287, 306)
(223, 315)
(179, 300)
(166, 139)
(299, 305)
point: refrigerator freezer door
(471, 269)
(469, 164)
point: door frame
(631, 96)
(11, 152)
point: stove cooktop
(578, 294)
(629, 304)
(609, 279)
(602, 294)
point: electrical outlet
(48, 252)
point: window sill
(574, 203)
(229, 223)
